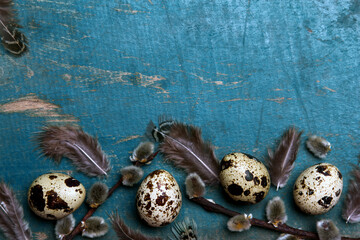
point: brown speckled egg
(244, 178)
(55, 195)
(159, 199)
(318, 188)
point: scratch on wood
(238, 99)
(36, 107)
(150, 2)
(40, 236)
(126, 78)
(278, 100)
(331, 90)
(129, 9)
(127, 139)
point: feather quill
(12, 39)
(82, 149)
(184, 146)
(351, 210)
(11, 216)
(282, 161)
(124, 232)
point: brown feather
(73, 143)
(124, 232)
(184, 146)
(351, 210)
(282, 161)
(12, 39)
(11, 216)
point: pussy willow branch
(283, 228)
(80, 227)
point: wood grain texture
(243, 71)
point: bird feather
(82, 149)
(12, 39)
(12, 221)
(351, 210)
(282, 161)
(184, 146)
(124, 232)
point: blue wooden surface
(243, 71)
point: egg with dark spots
(55, 195)
(318, 188)
(158, 199)
(244, 178)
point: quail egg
(159, 199)
(244, 178)
(55, 195)
(318, 188)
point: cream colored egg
(55, 195)
(318, 188)
(159, 199)
(244, 178)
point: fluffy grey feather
(12, 221)
(184, 146)
(95, 227)
(275, 211)
(327, 230)
(97, 194)
(131, 175)
(282, 161)
(185, 230)
(124, 232)
(288, 237)
(12, 39)
(318, 146)
(82, 149)
(239, 223)
(142, 152)
(64, 226)
(195, 187)
(351, 210)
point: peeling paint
(331, 90)
(33, 106)
(41, 236)
(127, 139)
(238, 99)
(279, 99)
(126, 78)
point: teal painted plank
(243, 71)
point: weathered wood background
(241, 70)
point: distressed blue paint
(243, 71)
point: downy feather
(12, 39)
(82, 149)
(124, 232)
(351, 210)
(11, 216)
(282, 161)
(184, 146)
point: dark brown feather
(73, 143)
(124, 232)
(282, 161)
(11, 216)
(351, 210)
(184, 146)
(12, 39)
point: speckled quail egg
(159, 199)
(244, 178)
(55, 195)
(318, 188)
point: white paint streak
(36, 107)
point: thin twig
(283, 228)
(80, 227)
